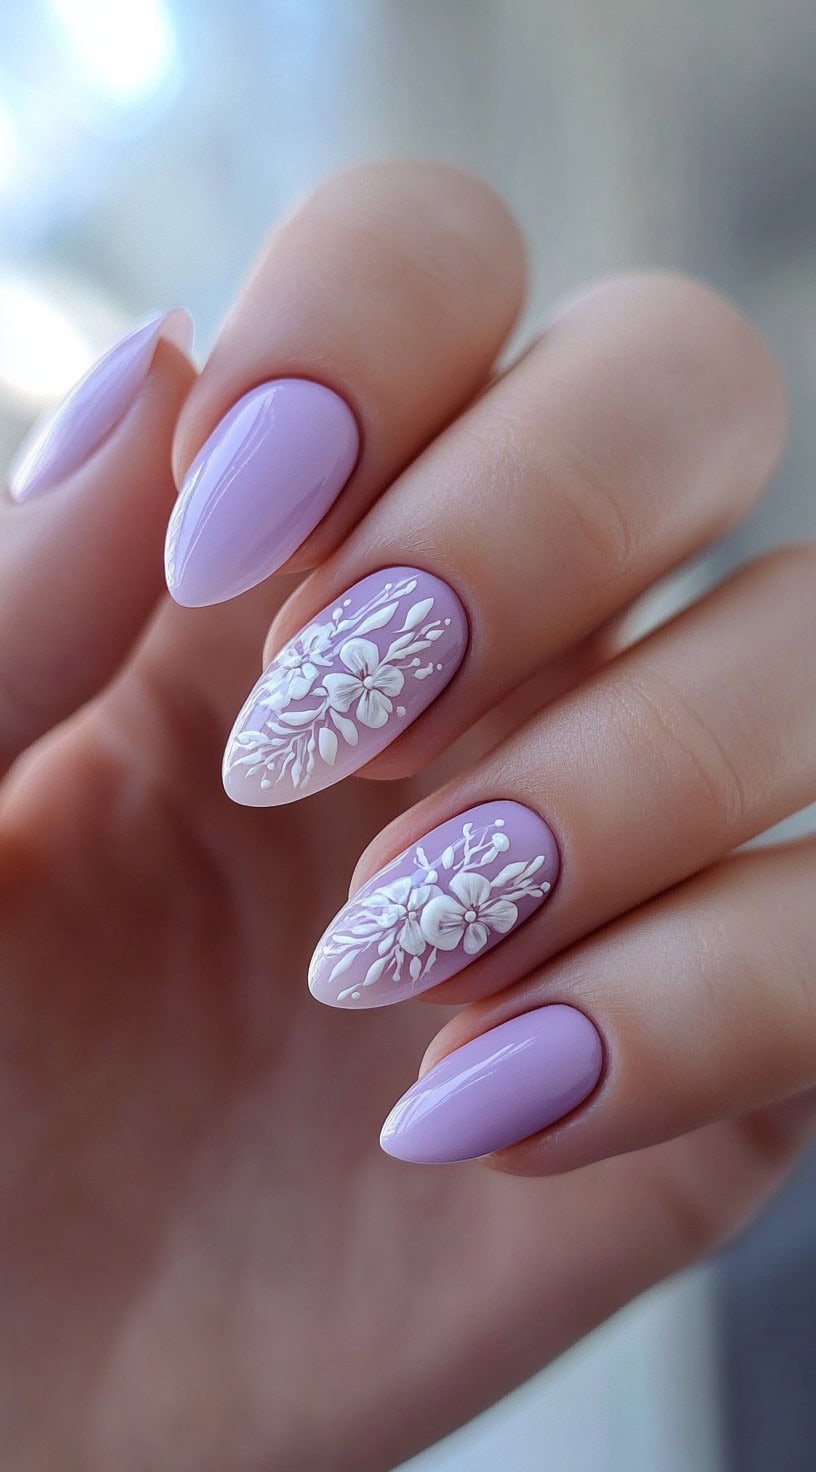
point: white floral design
(467, 915)
(401, 925)
(370, 681)
(299, 666)
(291, 741)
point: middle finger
(644, 422)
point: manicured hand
(208, 1262)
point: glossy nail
(499, 1088)
(61, 442)
(438, 906)
(345, 687)
(259, 485)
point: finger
(704, 1000)
(681, 749)
(373, 316)
(80, 560)
(643, 423)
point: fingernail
(440, 905)
(345, 687)
(262, 481)
(61, 442)
(499, 1088)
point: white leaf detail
(416, 614)
(343, 964)
(377, 619)
(415, 967)
(447, 857)
(423, 673)
(510, 871)
(327, 745)
(297, 717)
(374, 972)
(347, 728)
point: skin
(206, 1262)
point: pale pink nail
(60, 443)
(501, 1087)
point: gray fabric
(767, 1300)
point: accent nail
(263, 480)
(345, 687)
(438, 906)
(65, 438)
(499, 1088)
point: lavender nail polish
(499, 1088)
(438, 906)
(62, 442)
(345, 687)
(263, 480)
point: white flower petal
(423, 894)
(342, 690)
(442, 924)
(500, 915)
(388, 679)
(301, 681)
(374, 709)
(360, 656)
(475, 938)
(471, 889)
(411, 938)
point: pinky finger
(698, 1007)
(81, 554)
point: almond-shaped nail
(499, 1088)
(259, 485)
(345, 687)
(60, 443)
(441, 904)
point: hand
(207, 1260)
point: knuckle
(599, 511)
(698, 763)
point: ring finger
(681, 749)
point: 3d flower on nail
(395, 928)
(333, 681)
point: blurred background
(145, 148)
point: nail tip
(51, 452)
